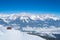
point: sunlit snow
(18, 35)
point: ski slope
(18, 35)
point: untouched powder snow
(17, 35)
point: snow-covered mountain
(31, 20)
(42, 24)
(24, 20)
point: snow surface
(18, 35)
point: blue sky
(38, 6)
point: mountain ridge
(31, 20)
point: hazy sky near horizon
(38, 6)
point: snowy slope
(17, 35)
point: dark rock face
(2, 22)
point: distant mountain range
(36, 24)
(31, 20)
